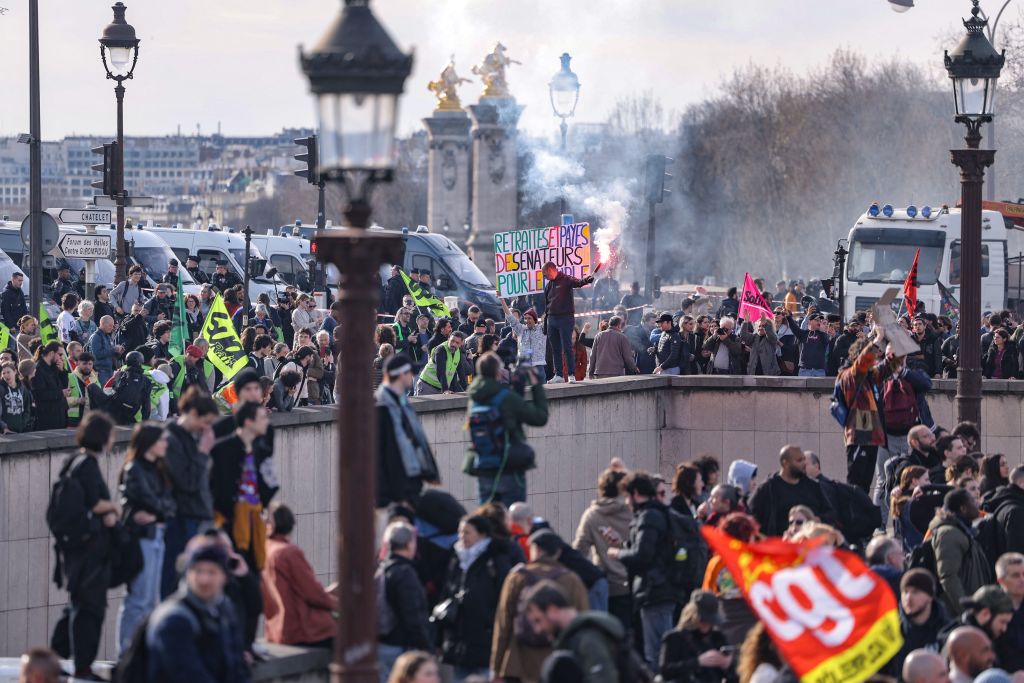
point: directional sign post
(85, 216)
(84, 246)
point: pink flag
(752, 304)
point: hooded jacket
(594, 638)
(741, 474)
(515, 410)
(1007, 504)
(960, 562)
(647, 554)
(12, 305)
(616, 515)
(16, 407)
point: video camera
(518, 373)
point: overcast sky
(234, 62)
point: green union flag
(179, 327)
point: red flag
(831, 618)
(910, 287)
(752, 304)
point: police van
(289, 255)
(884, 241)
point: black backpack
(133, 665)
(67, 516)
(689, 552)
(988, 533)
(923, 557)
(130, 390)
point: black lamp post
(119, 51)
(974, 67)
(564, 91)
(356, 74)
(248, 267)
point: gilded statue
(444, 88)
(492, 72)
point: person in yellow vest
(452, 376)
(192, 368)
(85, 392)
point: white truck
(883, 243)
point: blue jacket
(101, 346)
(190, 642)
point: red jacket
(297, 608)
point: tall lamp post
(356, 74)
(564, 91)
(119, 51)
(974, 67)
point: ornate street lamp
(119, 52)
(564, 90)
(974, 67)
(356, 74)
(900, 6)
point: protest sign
(752, 304)
(226, 350)
(519, 256)
(831, 618)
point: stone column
(449, 184)
(495, 176)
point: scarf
(417, 460)
(467, 556)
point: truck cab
(884, 241)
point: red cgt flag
(910, 287)
(832, 619)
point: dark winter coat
(12, 305)
(228, 456)
(189, 470)
(393, 483)
(558, 294)
(408, 599)
(144, 489)
(48, 392)
(16, 407)
(647, 555)
(467, 641)
(680, 649)
(961, 565)
(1009, 366)
(1007, 504)
(669, 351)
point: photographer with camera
(498, 454)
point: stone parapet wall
(652, 423)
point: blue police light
(926, 211)
(912, 211)
(887, 210)
(873, 210)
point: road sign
(106, 200)
(84, 216)
(50, 232)
(77, 245)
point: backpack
(67, 516)
(630, 665)
(521, 628)
(133, 665)
(899, 406)
(840, 411)
(689, 552)
(130, 390)
(923, 557)
(487, 433)
(988, 533)
(387, 620)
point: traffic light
(655, 178)
(311, 173)
(108, 184)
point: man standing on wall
(559, 318)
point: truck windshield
(466, 270)
(886, 255)
(154, 262)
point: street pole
(248, 266)
(35, 157)
(357, 253)
(120, 259)
(972, 163)
(840, 277)
(321, 211)
(649, 268)
(564, 128)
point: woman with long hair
(799, 515)
(692, 652)
(911, 480)
(145, 488)
(995, 472)
(193, 315)
(759, 660)
(415, 666)
(687, 485)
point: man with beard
(592, 638)
(839, 348)
(788, 487)
(922, 618)
(930, 358)
(989, 609)
(970, 654)
(922, 453)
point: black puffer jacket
(1007, 504)
(467, 641)
(48, 393)
(668, 352)
(12, 305)
(647, 555)
(408, 599)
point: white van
(214, 245)
(884, 241)
(289, 255)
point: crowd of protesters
(206, 552)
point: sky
(234, 63)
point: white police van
(883, 243)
